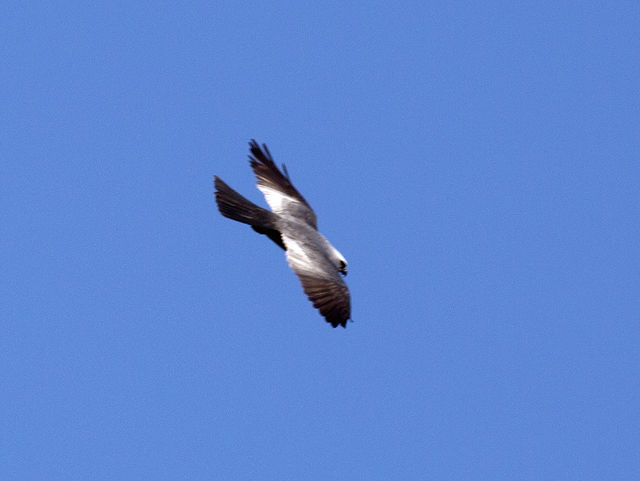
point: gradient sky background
(476, 163)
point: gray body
(292, 225)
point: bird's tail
(236, 207)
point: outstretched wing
(320, 280)
(281, 195)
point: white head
(339, 261)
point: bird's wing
(320, 280)
(281, 195)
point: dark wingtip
(286, 172)
(259, 154)
(339, 322)
(266, 151)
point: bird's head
(342, 267)
(340, 262)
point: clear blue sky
(477, 164)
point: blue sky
(477, 164)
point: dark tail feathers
(234, 206)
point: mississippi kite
(292, 225)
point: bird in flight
(292, 225)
